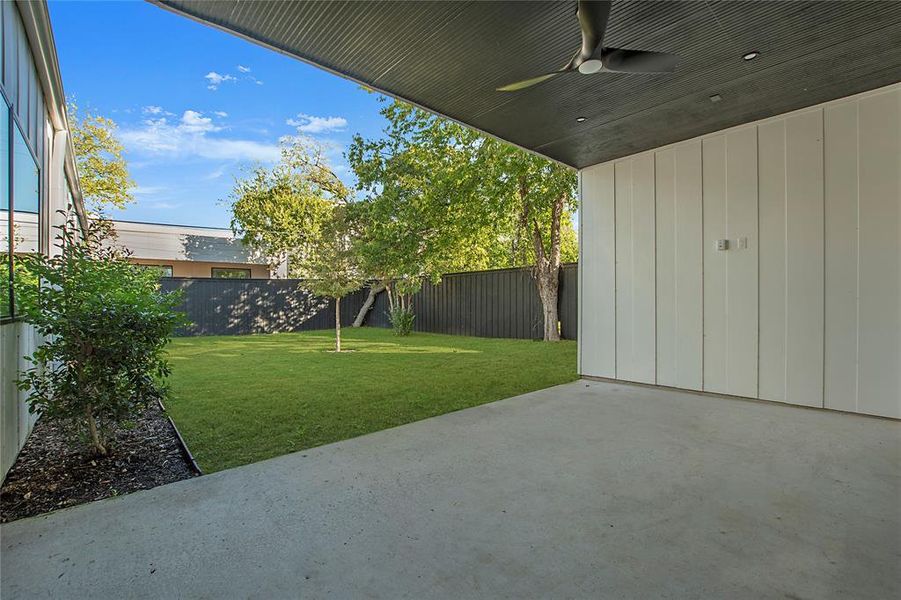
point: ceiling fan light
(590, 66)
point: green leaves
(440, 197)
(106, 324)
(280, 211)
(99, 156)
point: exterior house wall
(182, 268)
(31, 88)
(192, 251)
(803, 307)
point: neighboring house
(37, 180)
(740, 216)
(187, 251)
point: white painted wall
(805, 305)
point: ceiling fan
(594, 57)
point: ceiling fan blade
(521, 85)
(638, 61)
(593, 17)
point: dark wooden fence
(499, 303)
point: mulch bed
(54, 471)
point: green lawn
(242, 399)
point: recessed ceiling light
(751, 55)
(716, 98)
(580, 119)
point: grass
(242, 399)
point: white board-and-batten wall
(802, 306)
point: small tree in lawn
(106, 324)
(331, 265)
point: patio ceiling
(449, 57)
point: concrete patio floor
(584, 490)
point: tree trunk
(547, 261)
(337, 324)
(547, 280)
(374, 290)
(97, 444)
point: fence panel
(501, 303)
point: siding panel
(715, 332)
(625, 366)
(771, 140)
(742, 262)
(879, 337)
(689, 278)
(841, 256)
(804, 258)
(666, 267)
(598, 284)
(644, 342)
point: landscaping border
(181, 440)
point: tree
(443, 197)
(100, 158)
(541, 194)
(297, 210)
(106, 324)
(331, 266)
(279, 211)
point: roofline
(164, 224)
(178, 11)
(36, 20)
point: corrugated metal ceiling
(450, 56)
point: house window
(225, 273)
(163, 270)
(20, 207)
(6, 297)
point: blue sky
(194, 104)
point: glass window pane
(26, 192)
(26, 203)
(4, 156)
(5, 301)
(162, 270)
(222, 273)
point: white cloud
(162, 205)
(313, 124)
(243, 69)
(189, 136)
(194, 122)
(216, 173)
(152, 110)
(147, 190)
(214, 79)
(220, 113)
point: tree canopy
(441, 197)
(100, 159)
(280, 211)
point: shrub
(106, 324)
(401, 318)
(400, 304)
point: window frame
(14, 120)
(159, 266)
(242, 269)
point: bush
(106, 324)
(401, 318)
